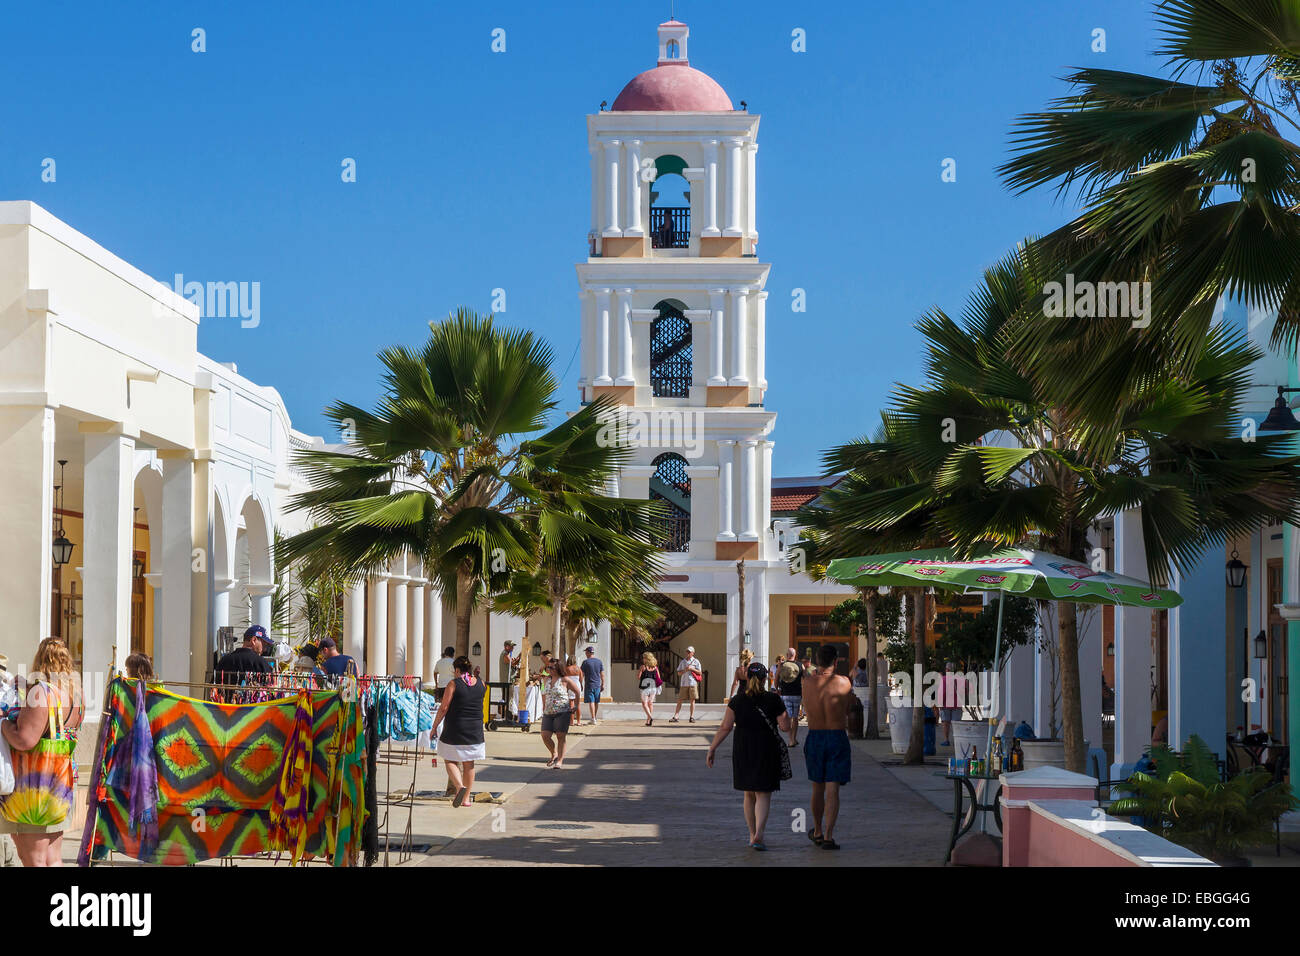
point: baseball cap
(257, 631)
(690, 650)
(756, 670)
(327, 642)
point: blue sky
(472, 166)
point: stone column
(602, 337)
(751, 212)
(749, 491)
(261, 595)
(756, 609)
(711, 190)
(612, 231)
(760, 340)
(1132, 652)
(397, 627)
(432, 629)
(625, 375)
(739, 374)
(726, 482)
(734, 184)
(221, 588)
(717, 305)
(765, 494)
(377, 627)
(172, 654)
(734, 639)
(634, 227)
(106, 603)
(354, 623)
(415, 630)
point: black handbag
(782, 748)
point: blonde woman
(738, 679)
(648, 681)
(43, 742)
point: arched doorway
(670, 351)
(670, 485)
(670, 205)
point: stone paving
(633, 795)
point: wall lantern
(137, 564)
(748, 640)
(477, 649)
(1261, 646)
(1279, 418)
(537, 649)
(1235, 571)
(61, 547)
(1110, 649)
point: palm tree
(880, 505)
(443, 469)
(1006, 464)
(1189, 182)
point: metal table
(963, 785)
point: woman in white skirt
(461, 718)
(648, 681)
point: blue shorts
(792, 706)
(827, 754)
(591, 695)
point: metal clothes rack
(396, 755)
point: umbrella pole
(988, 740)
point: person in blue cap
(248, 658)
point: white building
(167, 472)
(673, 319)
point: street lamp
(1261, 645)
(1235, 571)
(1280, 418)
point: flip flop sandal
(461, 794)
(829, 845)
(759, 846)
(550, 763)
(672, 720)
(815, 837)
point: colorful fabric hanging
(217, 768)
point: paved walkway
(632, 795)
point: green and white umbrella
(1039, 575)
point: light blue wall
(1200, 660)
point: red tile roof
(791, 499)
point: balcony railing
(674, 533)
(670, 227)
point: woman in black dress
(460, 717)
(756, 715)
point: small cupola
(672, 43)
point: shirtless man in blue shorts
(826, 747)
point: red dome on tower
(673, 85)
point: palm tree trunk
(871, 725)
(916, 744)
(557, 636)
(464, 613)
(1071, 702)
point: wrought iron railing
(670, 227)
(674, 533)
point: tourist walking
(738, 679)
(593, 673)
(689, 674)
(649, 681)
(789, 684)
(575, 696)
(557, 711)
(949, 701)
(444, 670)
(249, 658)
(757, 715)
(335, 663)
(461, 717)
(826, 751)
(43, 743)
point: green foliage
(1184, 801)
(972, 638)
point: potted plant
(1184, 801)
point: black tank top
(463, 724)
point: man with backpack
(789, 685)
